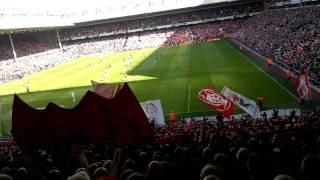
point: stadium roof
(16, 14)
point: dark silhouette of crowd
(276, 148)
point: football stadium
(160, 89)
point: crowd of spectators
(293, 39)
(97, 30)
(149, 39)
(244, 149)
(23, 66)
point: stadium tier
(209, 90)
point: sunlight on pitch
(91, 68)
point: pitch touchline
(189, 98)
(265, 73)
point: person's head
(107, 164)
(22, 173)
(211, 177)
(54, 174)
(156, 155)
(221, 160)
(154, 170)
(207, 154)
(82, 169)
(125, 174)
(310, 167)
(210, 169)
(242, 154)
(143, 156)
(129, 164)
(178, 151)
(233, 152)
(283, 177)
(136, 176)
(92, 167)
(79, 176)
(5, 170)
(100, 172)
(5, 177)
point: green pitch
(174, 75)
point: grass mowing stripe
(264, 72)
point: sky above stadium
(83, 4)
(57, 4)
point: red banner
(217, 101)
(95, 119)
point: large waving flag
(95, 119)
(243, 102)
(303, 88)
(217, 101)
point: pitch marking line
(189, 97)
(265, 73)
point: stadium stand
(292, 39)
(99, 30)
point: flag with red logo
(217, 101)
(303, 88)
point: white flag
(244, 103)
(153, 111)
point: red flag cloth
(95, 119)
(217, 101)
(130, 121)
(302, 86)
(63, 124)
(30, 127)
